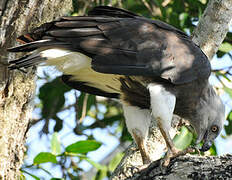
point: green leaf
(102, 170)
(185, 22)
(184, 139)
(225, 47)
(126, 136)
(110, 120)
(175, 20)
(228, 128)
(44, 157)
(55, 144)
(115, 161)
(220, 54)
(52, 97)
(107, 121)
(101, 174)
(213, 150)
(83, 146)
(57, 179)
(95, 164)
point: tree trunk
(209, 34)
(17, 88)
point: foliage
(183, 139)
(181, 14)
(228, 128)
(79, 149)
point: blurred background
(74, 135)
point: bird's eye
(214, 128)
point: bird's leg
(172, 150)
(166, 136)
(138, 122)
(162, 105)
(141, 143)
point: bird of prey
(154, 69)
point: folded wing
(97, 50)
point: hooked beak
(206, 142)
(206, 146)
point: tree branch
(185, 167)
(213, 26)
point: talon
(192, 150)
(198, 151)
(146, 160)
(137, 168)
(166, 161)
(163, 165)
(175, 151)
(142, 167)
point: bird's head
(208, 118)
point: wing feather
(120, 42)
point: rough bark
(186, 168)
(213, 26)
(209, 34)
(17, 88)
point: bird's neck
(189, 97)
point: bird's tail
(34, 56)
(82, 34)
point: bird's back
(97, 53)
